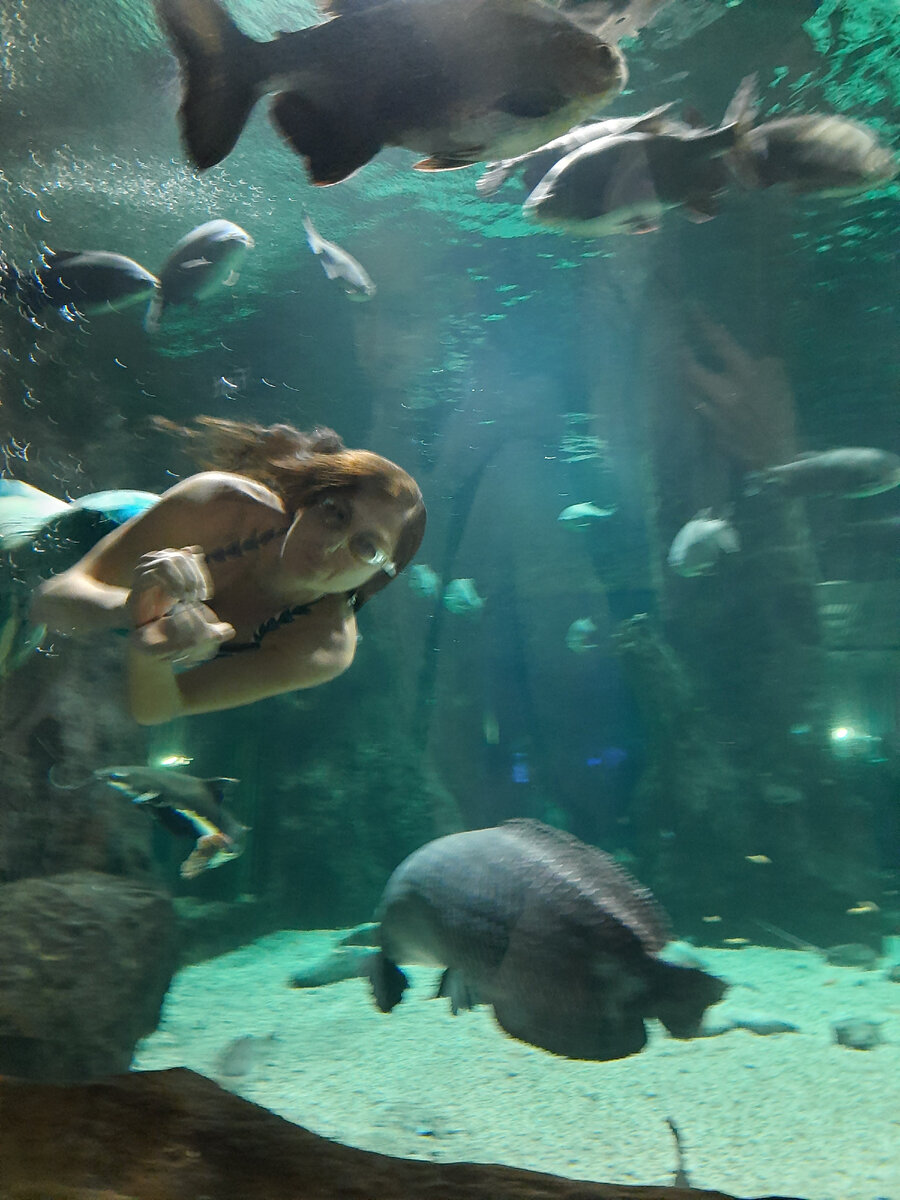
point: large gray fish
(86, 281)
(338, 264)
(204, 260)
(813, 153)
(186, 805)
(850, 473)
(538, 162)
(548, 930)
(459, 82)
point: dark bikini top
(285, 617)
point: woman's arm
(94, 593)
(297, 656)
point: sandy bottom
(785, 1114)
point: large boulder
(86, 961)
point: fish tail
(221, 70)
(756, 482)
(154, 313)
(681, 997)
(493, 178)
(741, 116)
(312, 234)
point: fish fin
(741, 114)
(728, 539)
(333, 150)
(145, 797)
(154, 314)
(701, 208)
(584, 1035)
(494, 177)
(654, 120)
(222, 69)
(388, 982)
(220, 785)
(175, 821)
(312, 235)
(681, 995)
(55, 258)
(332, 270)
(345, 8)
(453, 985)
(447, 162)
(233, 277)
(193, 263)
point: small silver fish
(584, 512)
(578, 636)
(461, 597)
(338, 264)
(698, 545)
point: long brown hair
(300, 466)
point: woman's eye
(334, 511)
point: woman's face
(341, 540)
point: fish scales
(549, 931)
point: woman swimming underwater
(289, 537)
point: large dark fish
(536, 163)
(813, 153)
(203, 261)
(624, 184)
(86, 281)
(850, 473)
(550, 931)
(459, 82)
(186, 805)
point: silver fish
(185, 804)
(850, 472)
(812, 153)
(88, 281)
(338, 264)
(204, 260)
(551, 932)
(698, 545)
(459, 82)
(537, 163)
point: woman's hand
(170, 619)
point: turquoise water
(731, 737)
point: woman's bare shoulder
(207, 487)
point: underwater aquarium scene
(449, 599)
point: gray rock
(852, 954)
(859, 1033)
(87, 959)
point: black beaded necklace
(287, 615)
